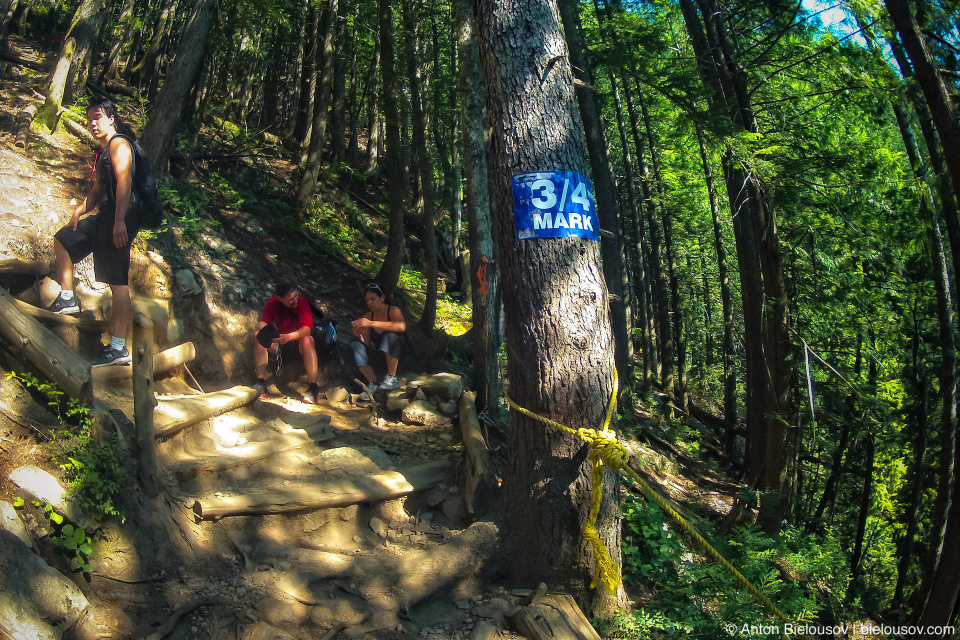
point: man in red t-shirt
(289, 316)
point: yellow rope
(606, 449)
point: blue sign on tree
(554, 204)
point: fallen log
(90, 325)
(162, 363)
(26, 267)
(174, 416)
(44, 350)
(553, 617)
(31, 63)
(250, 452)
(338, 492)
(23, 126)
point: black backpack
(150, 209)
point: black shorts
(94, 234)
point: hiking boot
(389, 383)
(261, 387)
(372, 386)
(109, 357)
(69, 307)
(310, 397)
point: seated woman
(382, 330)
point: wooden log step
(25, 267)
(340, 492)
(44, 350)
(162, 363)
(553, 617)
(83, 323)
(251, 452)
(173, 416)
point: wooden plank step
(83, 323)
(173, 416)
(340, 492)
(162, 362)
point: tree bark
(49, 114)
(556, 333)
(85, 29)
(160, 133)
(373, 111)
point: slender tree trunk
(423, 167)
(149, 65)
(160, 133)
(321, 108)
(373, 112)
(604, 188)
(660, 278)
(389, 273)
(726, 302)
(642, 306)
(480, 221)
(125, 25)
(338, 140)
(308, 75)
(865, 500)
(535, 127)
(353, 143)
(931, 83)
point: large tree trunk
(389, 273)
(6, 17)
(160, 133)
(423, 167)
(321, 108)
(559, 342)
(486, 298)
(604, 189)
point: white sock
(67, 294)
(117, 343)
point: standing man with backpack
(108, 234)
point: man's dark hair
(105, 106)
(109, 109)
(284, 286)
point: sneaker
(372, 386)
(390, 383)
(66, 307)
(310, 397)
(109, 357)
(261, 387)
